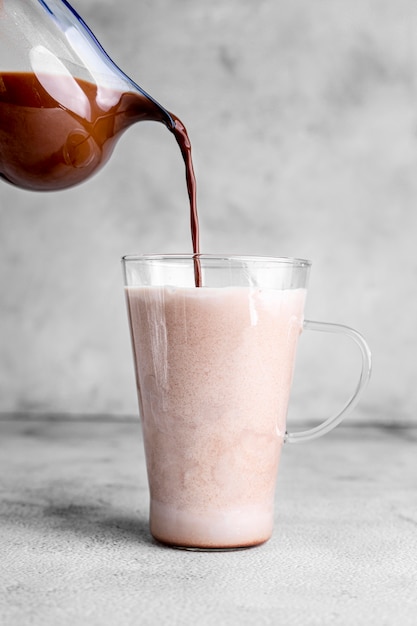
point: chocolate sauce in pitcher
(57, 130)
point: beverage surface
(214, 368)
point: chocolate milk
(214, 368)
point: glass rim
(189, 256)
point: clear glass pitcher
(63, 102)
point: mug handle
(331, 422)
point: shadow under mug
(214, 367)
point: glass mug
(214, 367)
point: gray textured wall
(303, 118)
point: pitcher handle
(331, 422)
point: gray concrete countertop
(75, 547)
